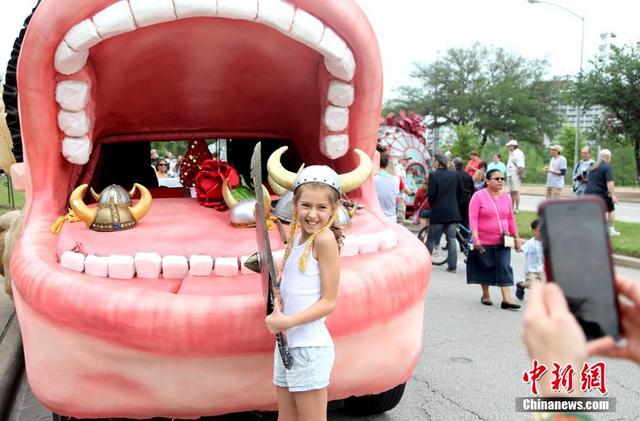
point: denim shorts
(310, 371)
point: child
(309, 289)
(533, 264)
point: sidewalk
(625, 194)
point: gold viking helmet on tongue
(114, 211)
(347, 182)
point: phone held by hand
(577, 255)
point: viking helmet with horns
(343, 183)
(114, 211)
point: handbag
(507, 240)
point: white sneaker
(613, 232)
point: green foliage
(615, 84)
(499, 93)
(466, 141)
(177, 148)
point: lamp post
(578, 109)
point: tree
(567, 139)
(466, 141)
(615, 84)
(499, 93)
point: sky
(412, 31)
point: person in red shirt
(421, 204)
(473, 164)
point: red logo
(591, 377)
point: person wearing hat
(445, 193)
(556, 170)
(515, 172)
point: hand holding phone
(577, 257)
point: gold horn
(354, 179)
(144, 204)
(226, 194)
(95, 195)
(277, 188)
(276, 171)
(132, 191)
(267, 200)
(84, 213)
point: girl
(309, 289)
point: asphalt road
(625, 211)
(470, 368)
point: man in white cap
(515, 172)
(556, 170)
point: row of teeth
(128, 15)
(151, 265)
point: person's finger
(600, 345)
(535, 306)
(554, 300)
(629, 289)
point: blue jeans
(433, 238)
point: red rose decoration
(208, 182)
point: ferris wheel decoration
(402, 143)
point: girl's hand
(630, 321)
(276, 321)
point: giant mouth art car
(305, 72)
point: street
(470, 368)
(625, 211)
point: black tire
(440, 252)
(422, 235)
(373, 404)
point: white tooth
(148, 265)
(238, 9)
(121, 267)
(226, 266)
(82, 36)
(336, 118)
(387, 239)
(350, 246)
(276, 13)
(174, 267)
(334, 146)
(72, 260)
(114, 20)
(332, 47)
(200, 265)
(245, 270)
(67, 61)
(340, 93)
(368, 243)
(151, 12)
(72, 95)
(96, 265)
(73, 124)
(18, 176)
(77, 150)
(306, 29)
(194, 8)
(343, 69)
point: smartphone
(577, 257)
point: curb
(11, 362)
(626, 261)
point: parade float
(152, 312)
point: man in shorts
(515, 171)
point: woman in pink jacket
(491, 218)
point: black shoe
(509, 306)
(486, 301)
(452, 270)
(519, 292)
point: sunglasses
(162, 165)
(497, 178)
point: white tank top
(299, 291)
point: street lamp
(578, 109)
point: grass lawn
(626, 244)
(5, 206)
